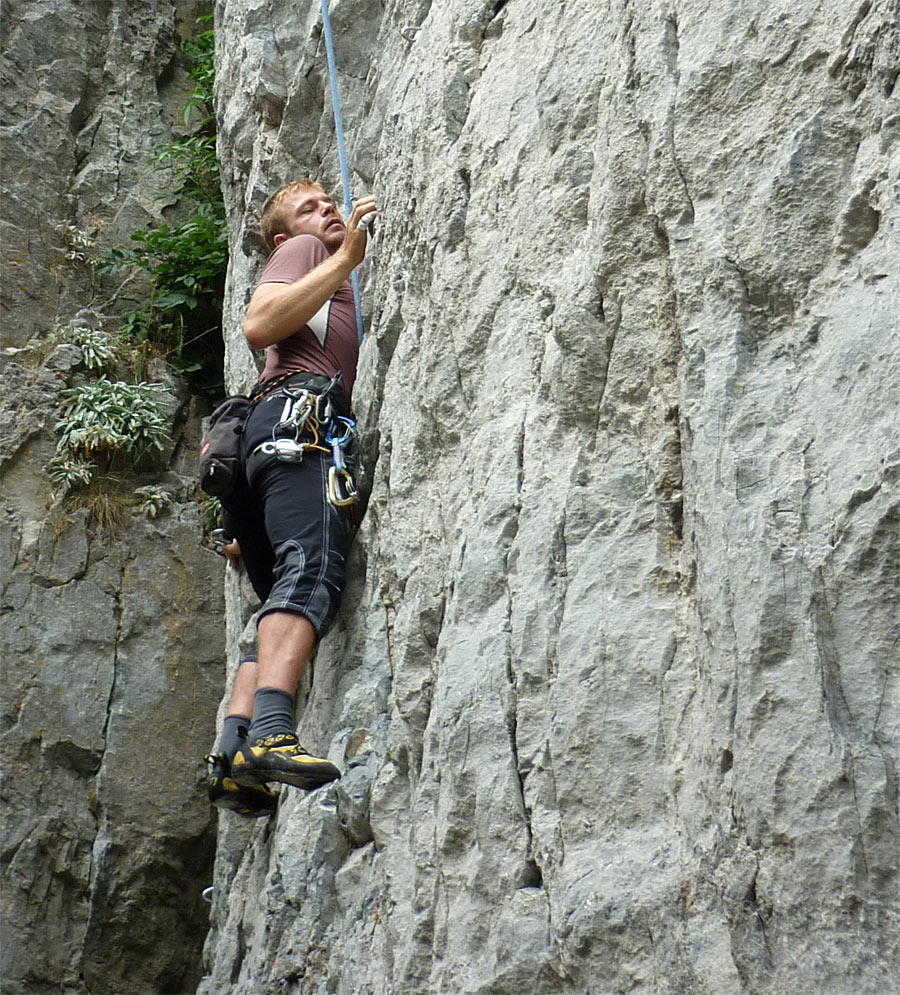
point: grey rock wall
(615, 683)
(112, 640)
(90, 88)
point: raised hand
(356, 239)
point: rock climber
(289, 516)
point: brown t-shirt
(328, 342)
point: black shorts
(292, 537)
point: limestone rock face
(112, 639)
(89, 90)
(113, 649)
(615, 682)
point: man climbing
(290, 515)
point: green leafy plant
(153, 500)
(81, 246)
(210, 514)
(193, 162)
(68, 470)
(135, 327)
(201, 50)
(97, 348)
(105, 424)
(187, 260)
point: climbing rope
(342, 152)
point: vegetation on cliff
(114, 423)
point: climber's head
(301, 208)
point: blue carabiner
(341, 440)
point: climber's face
(313, 212)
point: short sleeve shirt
(327, 343)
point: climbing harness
(307, 421)
(342, 152)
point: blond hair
(273, 222)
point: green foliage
(81, 246)
(153, 500)
(106, 423)
(68, 470)
(188, 261)
(106, 426)
(201, 50)
(98, 349)
(194, 164)
(109, 428)
(135, 327)
(210, 513)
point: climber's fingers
(362, 214)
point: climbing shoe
(281, 758)
(252, 801)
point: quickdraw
(341, 489)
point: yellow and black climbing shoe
(253, 801)
(281, 758)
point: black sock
(273, 713)
(229, 740)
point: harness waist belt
(315, 383)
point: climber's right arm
(278, 310)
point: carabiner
(285, 414)
(296, 393)
(334, 487)
(301, 410)
(349, 428)
(324, 409)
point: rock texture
(113, 641)
(615, 684)
(113, 648)
(89, 90)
